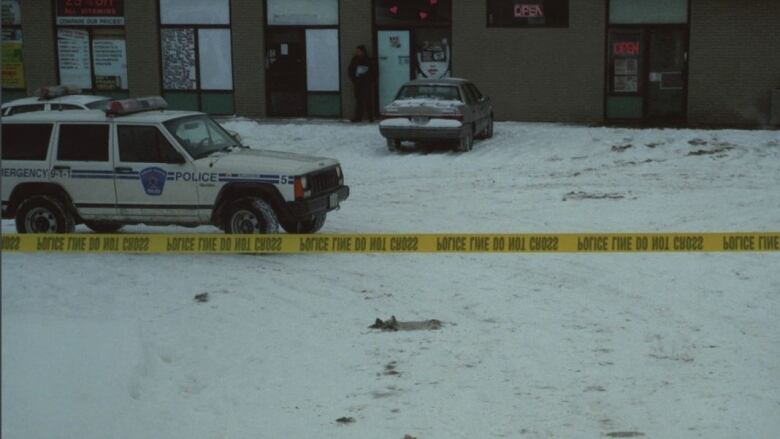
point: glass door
(286, 72)
(393, 53)
(647, 74)
(666, 75)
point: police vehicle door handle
(61, 168)
(123, 170)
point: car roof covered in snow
(151, 116)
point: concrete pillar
(143, 48)
(248, 24)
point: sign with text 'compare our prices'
(90, 13)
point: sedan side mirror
(236, 137)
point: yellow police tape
(397, 243)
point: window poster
(13, 67)
(178, 59)
(90, 13)
(626, 84)
(433, 54)
(110, 58)
(75, 66)
(626, 66)
(11, 13)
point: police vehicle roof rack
(55, 91)
(129, 106)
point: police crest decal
(153, 180)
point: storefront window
(303, 12)
(413, 12)
(302, 58)
(91, 47)
(528, 13)
(11, 40)
(648, 11)
(197, 60)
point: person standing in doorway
(362, 74)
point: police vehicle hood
(277, 162)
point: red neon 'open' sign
(529, 11)
(624, 48)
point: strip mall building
(589, 61)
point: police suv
(137, 164)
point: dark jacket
(362, 70)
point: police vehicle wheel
(393, 144)
(467, 141)
(312, 225)
(103, 227)
(251, 215)
(43, 214)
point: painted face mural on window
(433, 59)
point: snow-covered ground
(608, 345)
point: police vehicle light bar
(129, 106)
(56, 91)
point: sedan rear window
(438, 92)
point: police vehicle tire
(312, 225)
(467, 141)
(251, 215)
(103, 227)
(44, 214)
(393, 144)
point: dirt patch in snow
(621, 148)
(625, 434)
(392, 324)
(579, 195)
(714, 151)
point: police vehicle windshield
(200, 136)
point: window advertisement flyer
(90, 13)
(74, 56)
(11, 13)
(13, 65)
(109, 53)
(178, 59)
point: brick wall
(734, 61)
(534, 74)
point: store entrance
(286, 72)
(647, 74)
